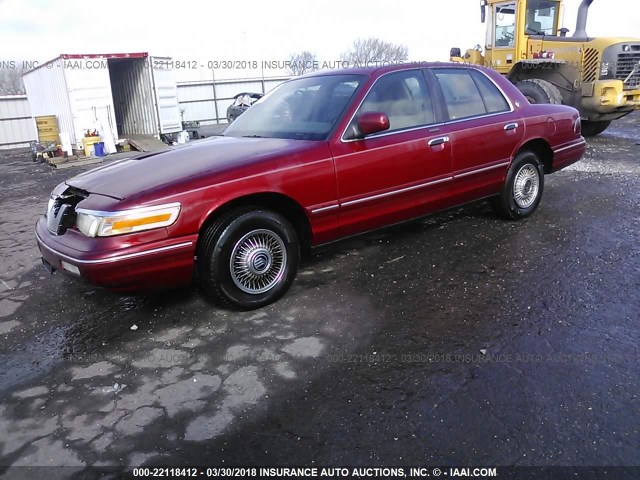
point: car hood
(216, 155)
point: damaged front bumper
(123, 267)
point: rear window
(494, 100)
(469, 93)
(460, 93)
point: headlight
(49, 206)
(106, 224)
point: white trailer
(122, 93)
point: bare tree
(11, 81)
(372, 50)
(302, 62)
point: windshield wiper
(253, 136)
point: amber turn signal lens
(139, 222)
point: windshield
(304, 109)
(542, 17)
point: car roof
(382, 69)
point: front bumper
(608, 100)
(123, 267)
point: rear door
(485, 131)
(165, 95)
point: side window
(403, 96)
(461, 94)
(505, 25)
(494, 101)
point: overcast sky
(251, 30)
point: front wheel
(540, 91)
(522, 191)
(248, 259)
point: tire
(522, 190)
(266, 251)
(539, 91)
(591, 129)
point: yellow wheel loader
(525, 42)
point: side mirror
(483, 11)
(372, 122)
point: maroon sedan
(319, 158)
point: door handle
(434, 142)
(511, 126)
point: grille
(591, 60)
(629, 64)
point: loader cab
(510, 23)
(526, 42)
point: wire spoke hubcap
(258, 261)
(526, 186)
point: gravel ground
(459, 339)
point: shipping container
(118, 94)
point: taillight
(577, 126)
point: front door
(397, 174)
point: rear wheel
(248, 258)
(591, 129)
(539, 91)
(522, 191)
